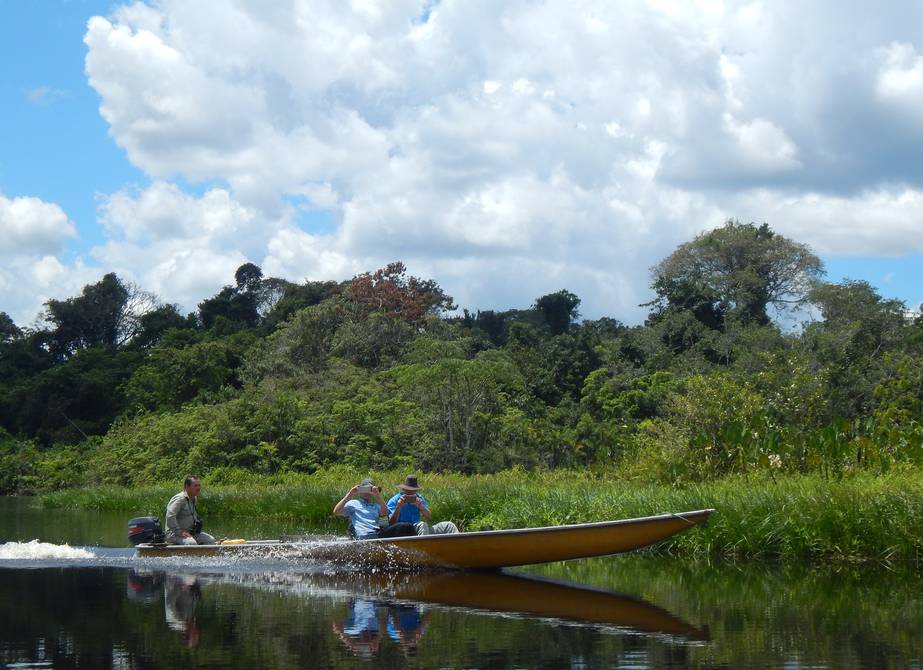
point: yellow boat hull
(478, 550)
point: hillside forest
(748, 360)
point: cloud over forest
(505, 149)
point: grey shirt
(181, 514)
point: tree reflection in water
(278, 615)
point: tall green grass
(862, 516)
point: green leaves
(736, 272)
(172, 376)
(274, 377)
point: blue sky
(506, 151)
(54, 143)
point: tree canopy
(559, 310)
(8, 329)
(735, 272)
(107, 313)
(377, 372)
(391, 292)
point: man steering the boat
(408, 506)
(183, 523)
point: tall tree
(249, 302)
(108, 313)
(559, 310)
(248, 277)
(153, 324)
(295, 297)
(8, 329)
(735, 272)
(230, 308)
(491, 322)
(859, 327)
(393, 293)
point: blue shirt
(361, 619)
(408, 621)
(409, 513)
(364, 517)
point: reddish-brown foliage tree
(396, 295)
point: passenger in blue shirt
(363, 506)
(408, 506)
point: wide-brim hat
(410, 483)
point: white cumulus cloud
(505, 149)
(33, 235)
(30, 226)
(886, 222)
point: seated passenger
(183, 523)
(408, 506)
(363, 506)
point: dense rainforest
(748, 360)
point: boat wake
(42, 551)
(37, 554)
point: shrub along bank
(858, 516)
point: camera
(196, 527)
(366, 489)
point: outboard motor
(145, 529)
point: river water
(72, 596)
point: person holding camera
(364, 506)
(183, 523)
(408, 506)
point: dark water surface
(68, 601)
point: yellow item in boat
(237, 541)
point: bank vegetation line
(859, 516)
(747, 361)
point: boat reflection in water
(398, 605)
(545, 598)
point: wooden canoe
(477, 550)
